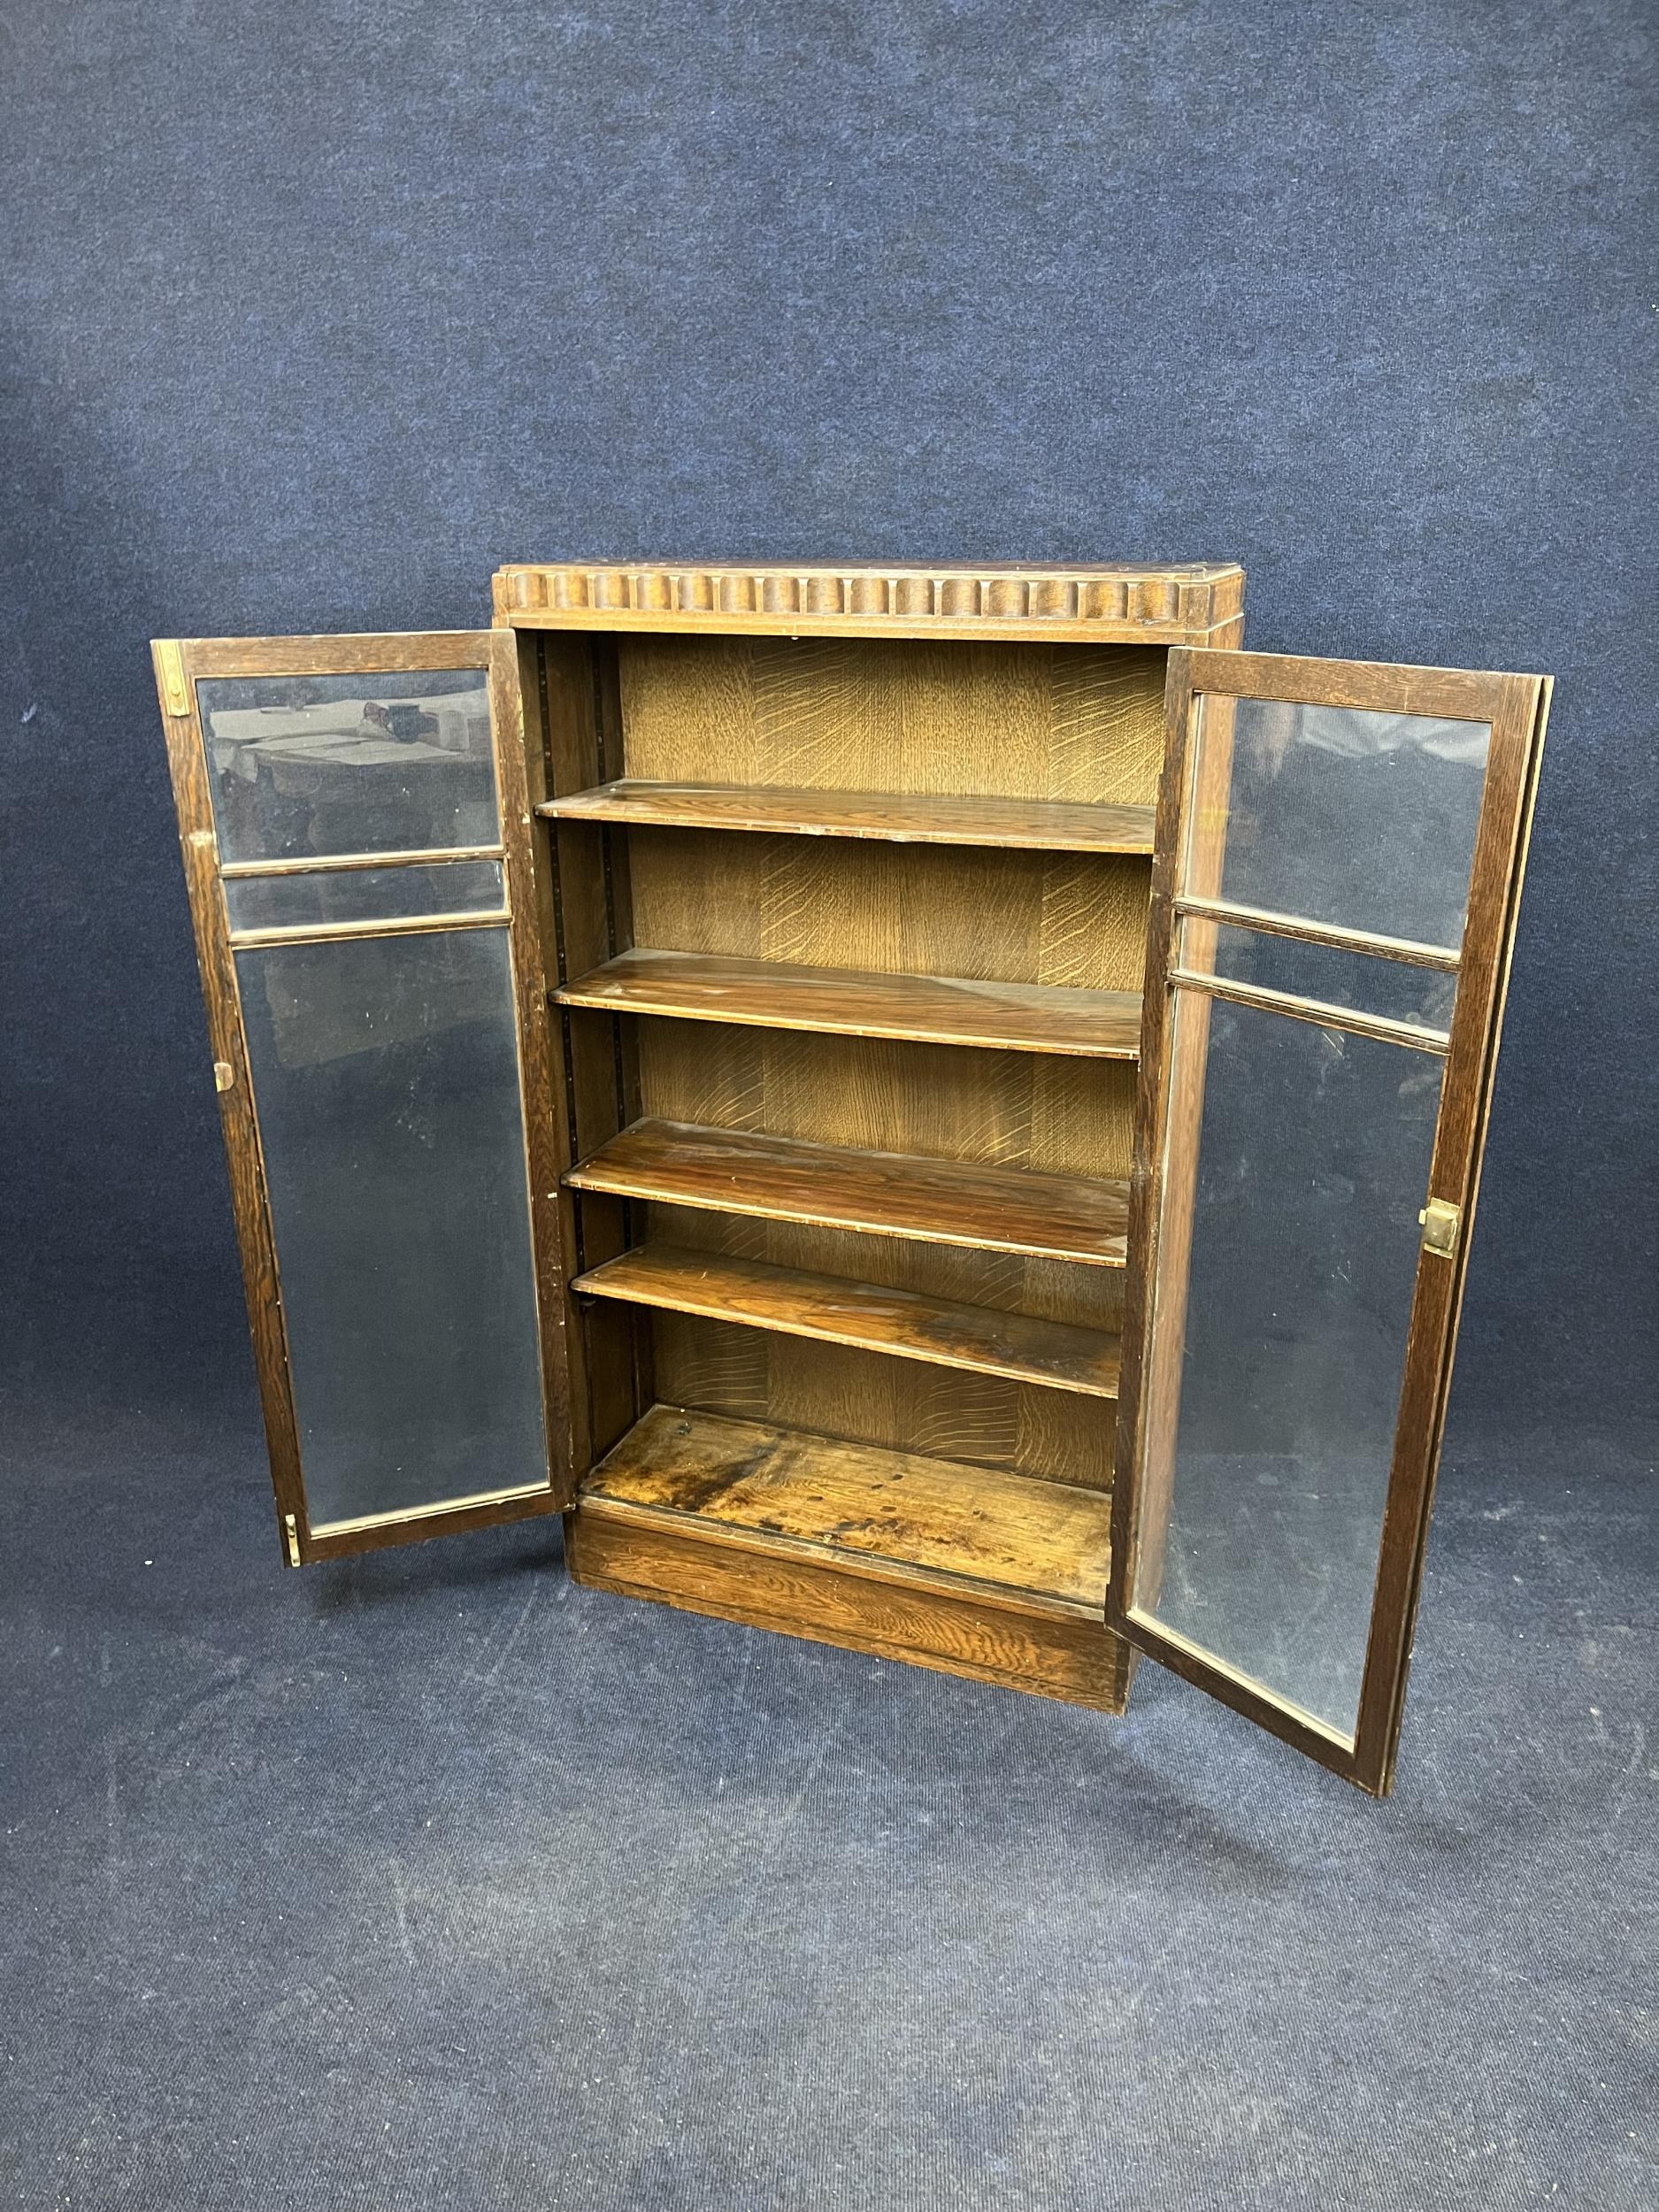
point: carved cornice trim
(1184, 604)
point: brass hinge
(291, 1538)
(224, 1075)
(1441, 1222)
(175, 693)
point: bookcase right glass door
(1339, 855)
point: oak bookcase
(764, 1060)
(844, 890)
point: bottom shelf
(1001, 1577)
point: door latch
(291, 1538)
(1441, 1222)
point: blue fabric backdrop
(316, 316)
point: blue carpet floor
(431, 1880)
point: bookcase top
(1188, 602)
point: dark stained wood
(727, 1287)
(854, 1001)
(568, 688)
(956, 767)
(537, 1070)
(383, 1531)
(1376, 686)
(922, 1519)
(180, 665)
(688, 1563)
(186, 761)
(884, 1194)
(1184, 603)
(1165, 1140)
(370, 653)
(1520, 720)
(1035, 824)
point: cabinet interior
(848, 938)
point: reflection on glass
(1280, 1394)
(1363, 982)
(385, 1077)
(1365, 820)
(362, 895)
(365, 764)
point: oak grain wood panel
(868, 1397)
(1074, 725)
(385, 653)
(730, 1287)
(1036, 1651)
(899, 1194)
(923, 1520)
(859, 1002)
(1077, 723)
(1077, 920)
(1045, 826)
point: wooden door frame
(180, 665)
(1515, 708)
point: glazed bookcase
(812, 938)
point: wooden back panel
(1020, 721)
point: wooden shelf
(926, 1522)
(906, 1323)
(884, 1194)
(1034, 824)
(853, 1002)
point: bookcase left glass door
(356, 840)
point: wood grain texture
(186, 761)
(1068, 724)
(1177, 603)
(1047, 723)
(568, 689)
(1373, 687)
(1167, 1133)
(685, 1564)
(922, 1518)
(188, 662)
(995, 1108)
(941, 1200)
(857, 1003)
(728, 1286)
(538, 1074)
(1064, 726)
(392, 653)
(867, 1397)
(1038, 825)
(1074, 920)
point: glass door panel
(1341, 849)
(356, 834)
(304, 764)
(385, 1074)
(1312, 1162)
(1343, 815)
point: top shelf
(1030, 825)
